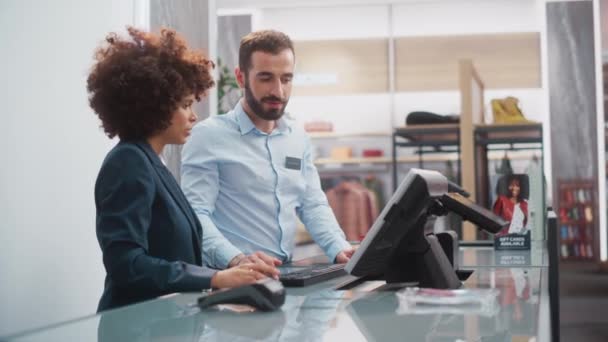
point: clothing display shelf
(382, 160)
(426, 139)
(442, 139)
(330, 135)
(577, 219)
(355, 163)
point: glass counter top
(319, 313)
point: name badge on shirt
(293, 163)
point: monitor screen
(405, 210)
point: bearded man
(249, 174)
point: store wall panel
(572, 89)
(503, 60)
(572, 98)
(195, 21)
(340, 67)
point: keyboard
(298, 276)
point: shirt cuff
(336, 248)
(207, 273)
(223, 258)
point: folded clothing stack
(341, 152)
(372, 152)
(319, 126)
(428, 118)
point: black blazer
(149, 235)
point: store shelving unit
(426, 139)
(504, 137)
(471, 140)
(333, 135)
(577, 220)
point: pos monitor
(396, 248)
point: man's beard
(257, 108)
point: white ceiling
(234, 4)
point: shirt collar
(246, 125)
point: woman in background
(142, 89)
(513, 206)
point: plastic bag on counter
(436, 301)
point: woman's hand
(242, 274)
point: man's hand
(345, 255)
(258, 258)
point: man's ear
(240, 77)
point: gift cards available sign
(513, 241)
(512, 192)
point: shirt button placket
(276, 194)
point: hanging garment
(375, 185)
(501, 168)
(354, 208)
(450, 172)
(505, 167)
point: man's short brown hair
(269, 41)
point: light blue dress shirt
(246, 188)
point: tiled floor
(583, 303)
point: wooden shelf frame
(336, 135)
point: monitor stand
(420, 261)
(425, 262)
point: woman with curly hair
(142, 88)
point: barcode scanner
(265, 295)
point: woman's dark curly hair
(502, 186)
(136, 84)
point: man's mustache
(272, 99)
